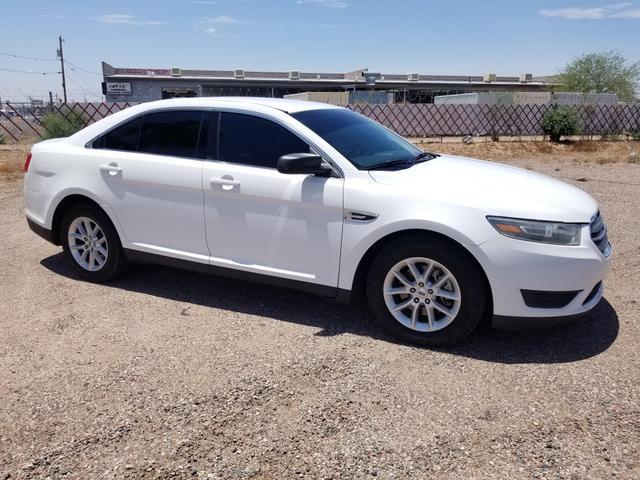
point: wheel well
(358, 288)
(62, 208)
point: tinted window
(362, 141)
(123, 137)
(172, 133)
(255, 141)
(208, 147)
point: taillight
(27, 162)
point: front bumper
(514, 265)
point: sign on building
(119, 88)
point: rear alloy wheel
(88, 244)
(91, 243)
(426, 291)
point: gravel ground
(173, 374)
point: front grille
(599, 233)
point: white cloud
(324, 3)
(205, 2)
(52, 15)
(613, 10)
(225, 19)
(210, 25)
(121, 19)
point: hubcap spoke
(431, 316)
(397, 291)
(442, 281)
(414, 314)
(446, 294)
(413, 268)
(444, 310)
(427, 272)
(403, 279)
(403, 305)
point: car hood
(494, 188)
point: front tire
(426, 291)
(91, 244)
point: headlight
(536, 231)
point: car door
(261, 221)
(151, 178)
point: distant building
(527, 98)
(136, 84)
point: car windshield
(363, 142)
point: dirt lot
(173, 374)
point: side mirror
(303, 163)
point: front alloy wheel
(426, 290)
(422, 294)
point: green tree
(57, 124)
(559, 121)
(606, 72)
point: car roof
(282, 104)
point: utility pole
(61, 56)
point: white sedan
(319, 198)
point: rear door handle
(111, 168)
(227, 183)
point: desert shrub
(560, 120)
(56, 124)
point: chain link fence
(24, 122)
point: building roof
(357, 77)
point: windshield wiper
(388, 163)
(421, 157)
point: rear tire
(91, 244)
(426, 291)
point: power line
(29, 71)
(84, 85)
(73, 66)
(36, 59)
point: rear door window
(174, 133)
(124, 137)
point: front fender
(359, 238)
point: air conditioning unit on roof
(176, 72)
(294, 75)
(238, 73)
(526, 77)
(413, 77)
(489, 77)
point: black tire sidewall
(116, 262)
(457, 261)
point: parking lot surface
(167, 373)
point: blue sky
(426, 36)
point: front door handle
(111, 168)
(227, 183)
